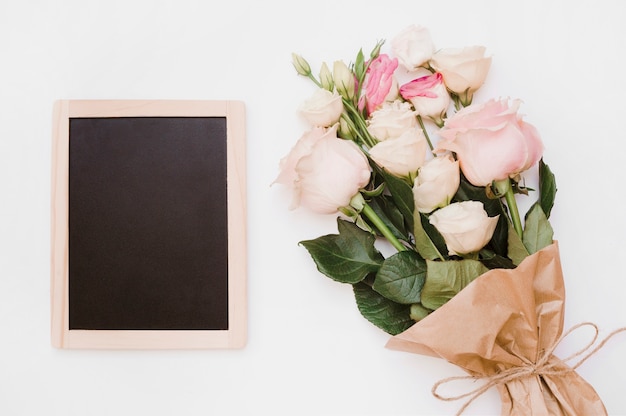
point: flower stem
(358, 203)
(419, 119)
(361, 126)
(504, 187)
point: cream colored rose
(401, 156)
(322, 109)
(436, 183)
(413, 47)
(391, 120)
(464, 70)
(465, 226)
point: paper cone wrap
(505, 320)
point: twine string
(546, 365)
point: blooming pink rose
(379, 84)
(324, 171)
(491, 141)
(429, 96)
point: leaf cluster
(394, 292)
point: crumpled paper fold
(506, 322)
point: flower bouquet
(468, 279)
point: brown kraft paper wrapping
(505, 321)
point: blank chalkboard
(148, 224)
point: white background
(309, 351)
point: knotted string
(546, 365)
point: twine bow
(546, 365)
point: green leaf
(424, 244)
(547, 188)
(401, 277)
(538, 232)
(390, 215)
(347, 257)
(391, 317)
(447, 278)
(517, 250)
(492, 260)
(402, 195)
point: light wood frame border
(236, 335)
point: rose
(429, 97)
(288, 175)
(464, 70)
(491, 141)
(391, 120)
(344, 80)
(401, 156)
(324, 171)
(379, 85)
(322, 109)
(413, 46)
(465, 226)
(436, 183)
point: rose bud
(379, 85)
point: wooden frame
(236, 334)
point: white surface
(309, 350)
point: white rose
(391, 120)
(464, 70)
(413, 47)
(436, 183)
(322, 109)
(401, 156)
(465, 226)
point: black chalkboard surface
(148, 224)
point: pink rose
(303, 147)
(380, 84)
(491, 141)
(429, 97)
(324, 171)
